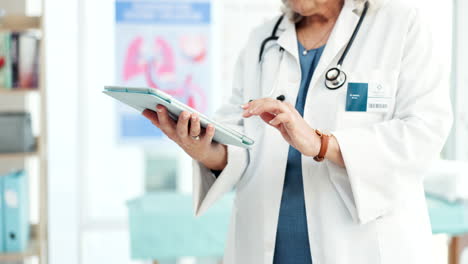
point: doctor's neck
(319, 14)
(319, 18)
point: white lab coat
(374, 210)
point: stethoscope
(334, 77)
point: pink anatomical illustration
(155, 60)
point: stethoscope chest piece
(335, 78)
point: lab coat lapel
(290, 69)
(288, 39)
(344, 27)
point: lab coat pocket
(365, 236)
(340, 180)
(367, 98)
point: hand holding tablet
(187, 133)
(147, 98)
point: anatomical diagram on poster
(163, 45)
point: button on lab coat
(373, 211)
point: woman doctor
(303, 195)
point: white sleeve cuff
(207, 189)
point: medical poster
(163, 44)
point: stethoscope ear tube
(273, 37)
(262, 49)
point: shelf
(21, 91)
(31, 251)
(20, 155)
(19, 23)
(38, 244)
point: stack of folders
(14, 220)
(19, 60)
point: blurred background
(86, 180)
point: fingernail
(186, 115)
(158, 110)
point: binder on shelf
(15, 58)
(5, 60)
(19, 59)
(16, 212)
(28, 61)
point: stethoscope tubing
(331, 83)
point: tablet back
(144, 98)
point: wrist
(334, 152)
(318, 144)
(313, 147)
(333, 148)
(216, 158)
(323, 146)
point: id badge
(367, 97)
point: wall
(61, 49)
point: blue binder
(16, 212)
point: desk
(162, 226)
(451, 219)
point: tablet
(147, 98)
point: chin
(306, 7)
